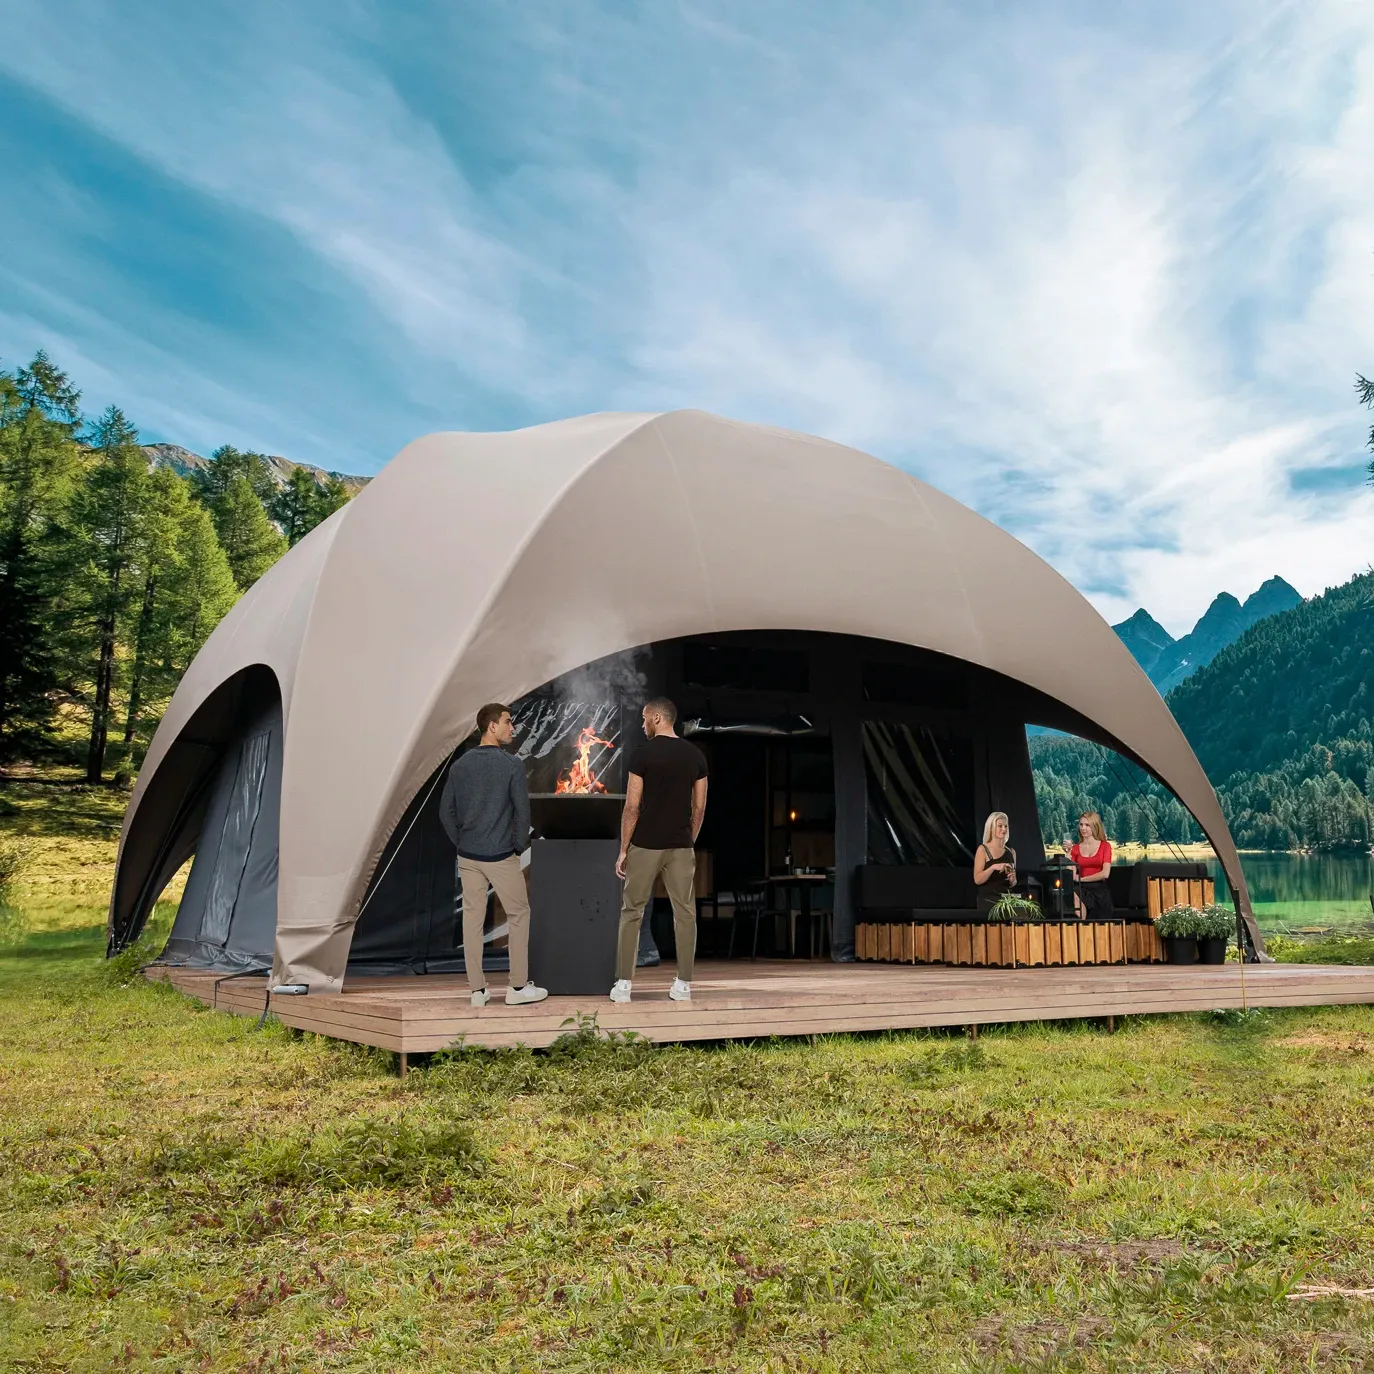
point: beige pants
(505, 876)
(679, 869)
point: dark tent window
(920, 795)
(904, 684)
(720, 667)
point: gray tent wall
(227, 919)
(411, 919)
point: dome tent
(478, 567)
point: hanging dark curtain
(920, 795)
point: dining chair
(751, 904)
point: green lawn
(184, 1192)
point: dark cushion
(1119, 884)
(882, 887)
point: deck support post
(1111, 1025)
(971, 1031)
(402, 1063)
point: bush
(1180, 923)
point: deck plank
(785, 998)
(788, 998)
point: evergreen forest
(1281, 722)
(113, 570)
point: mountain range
(183, 462)
(1168, 661)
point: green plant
(1216, 923)
(1179, 923)
(1010, 907)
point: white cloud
(1109, 283)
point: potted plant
(1216, 925)
(1178, 928)
(1010, 907)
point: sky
(1105, 273)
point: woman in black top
(994, 863)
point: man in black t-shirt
(665, 803)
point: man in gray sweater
(485, 811)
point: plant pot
(1211, 951)
(1181, 949)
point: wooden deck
(787, 997)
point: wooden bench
(1030, 944)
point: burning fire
(579, 779)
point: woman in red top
(1092, 860)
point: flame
(579, 779)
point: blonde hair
(1095, 823)
(993, 818)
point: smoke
(616, 679)
(600, 695)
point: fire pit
(576, 815)
(579, 807)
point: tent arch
(598, 534)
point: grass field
(181, 1191)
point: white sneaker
(621, 991)
(680, 991)
(481, 997)
(516, 997)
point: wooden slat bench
(1022, 945)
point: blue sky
(1104, 272)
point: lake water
(1293, 890)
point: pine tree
(305, 502)
(249, 539)
(185, 587)
(333, 496)
(294, 506)
(226, 463)
(39, 462)
(103, 535)
(203, 590)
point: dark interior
(849, 777)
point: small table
(804, 884)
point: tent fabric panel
(236, 838)
(228, 912)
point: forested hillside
(1301, 678)
(1281, 722)
(115, 566)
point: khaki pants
(679, 869)
(505, 876)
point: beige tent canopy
(477, 567)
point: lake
(1292, 890)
